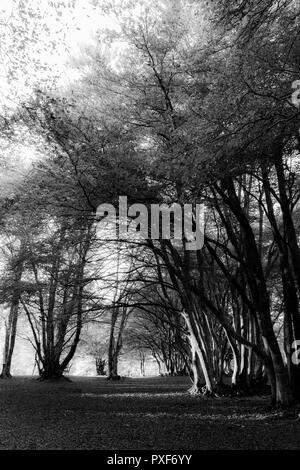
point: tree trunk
(10, 336)
(198, 362)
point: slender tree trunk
(11, 326)
(198, 360)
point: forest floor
(146, 413)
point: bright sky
(37, 45)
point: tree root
(6, 376)
(201, 391)
(54, 379)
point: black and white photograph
(149, 229)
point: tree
(94, 342)
(229, 112)
(55, 296)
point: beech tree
(240, 123)
(55, 297)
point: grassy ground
(150, 413)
